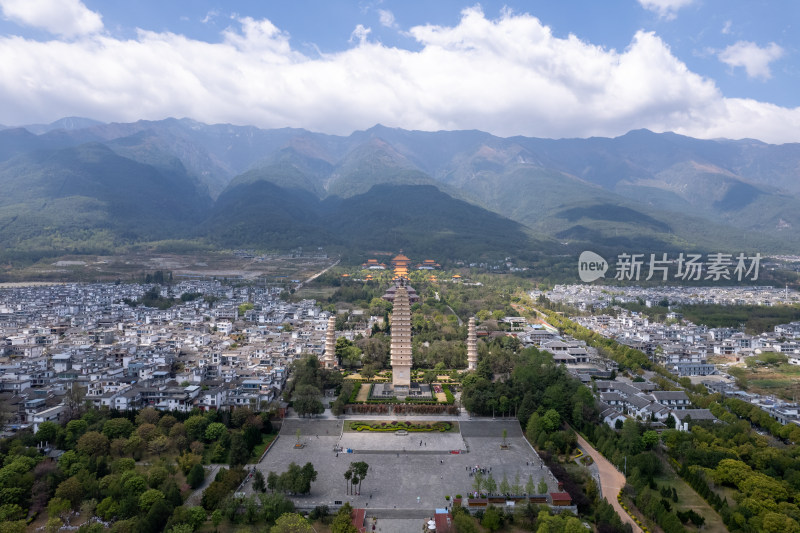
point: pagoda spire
(329, 358)
(401, 338)
(472, 345)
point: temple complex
(472, 345)
(400, 350)
(400, 265)
(329, 357)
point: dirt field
(783, 381)
(198, 265)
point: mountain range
(79, 185)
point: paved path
(195, 497)
(611, 482)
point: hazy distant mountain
(66, 123)
(386, 187)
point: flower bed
(633, 516)
(394, 426)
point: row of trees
(488, 485)
(354, 475)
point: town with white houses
(228, 346)
(124, 357)
(679, 345)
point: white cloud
(360, 34)
(386, 18)
(726, 28)
(210, 16)
(665, 8)
(67, 18)
(508, 76)
(753, 58)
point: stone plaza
(409, 476)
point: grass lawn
(259, 448)
(689, 499)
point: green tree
(195, 427)
(148, 415)
(491, 484)
(149, 498)
(196, 476)
(75, 428)
(291, 523)
(214, 431)
(348, 475)
(505, 488)
(360, 468)
(630, 440)
(307, 400)
(478, 482)
(17, 526)
(239, 454)
(551, 421)
(258, 482)
(492, 520)
(529, 486)
(58, 507)
(197, 516)
(53, 525)
(649, 439)
(71, 490)
(516, 488)
(118, 428)
(216, 519)
(48, 432)
(273, 506)
(541, 488)
(342, 522)
(93, 444)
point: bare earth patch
(363, 393)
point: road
(611, 482)
(196, 496)
(315, 276)
(460, 322)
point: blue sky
(721, 68)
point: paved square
(415, 480)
